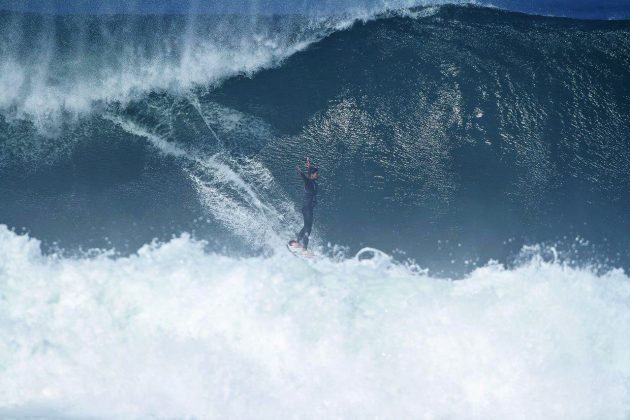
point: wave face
(453, 134)
(175, 332)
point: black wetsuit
(308, 203)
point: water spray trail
(222, 189)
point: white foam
(174, 332)
(233, 192)
(164, 146)
(241, 193)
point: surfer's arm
(300, 173)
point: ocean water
(472, 228)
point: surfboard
(296, 249)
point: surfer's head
(313, 172)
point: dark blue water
(451, 135)
(580, 9)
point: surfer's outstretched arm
(305, 177)
(300, 173)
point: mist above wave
(55, 67)
(64, 66)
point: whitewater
(175, 332)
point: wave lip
(59, 66)
(174, 332)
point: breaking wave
(175, 332)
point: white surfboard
(298, 250)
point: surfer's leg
(304, 228)
(308, 225)
(301, 234)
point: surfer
(309, 200)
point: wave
(173, 331)
(453, 134)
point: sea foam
(175, 332)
